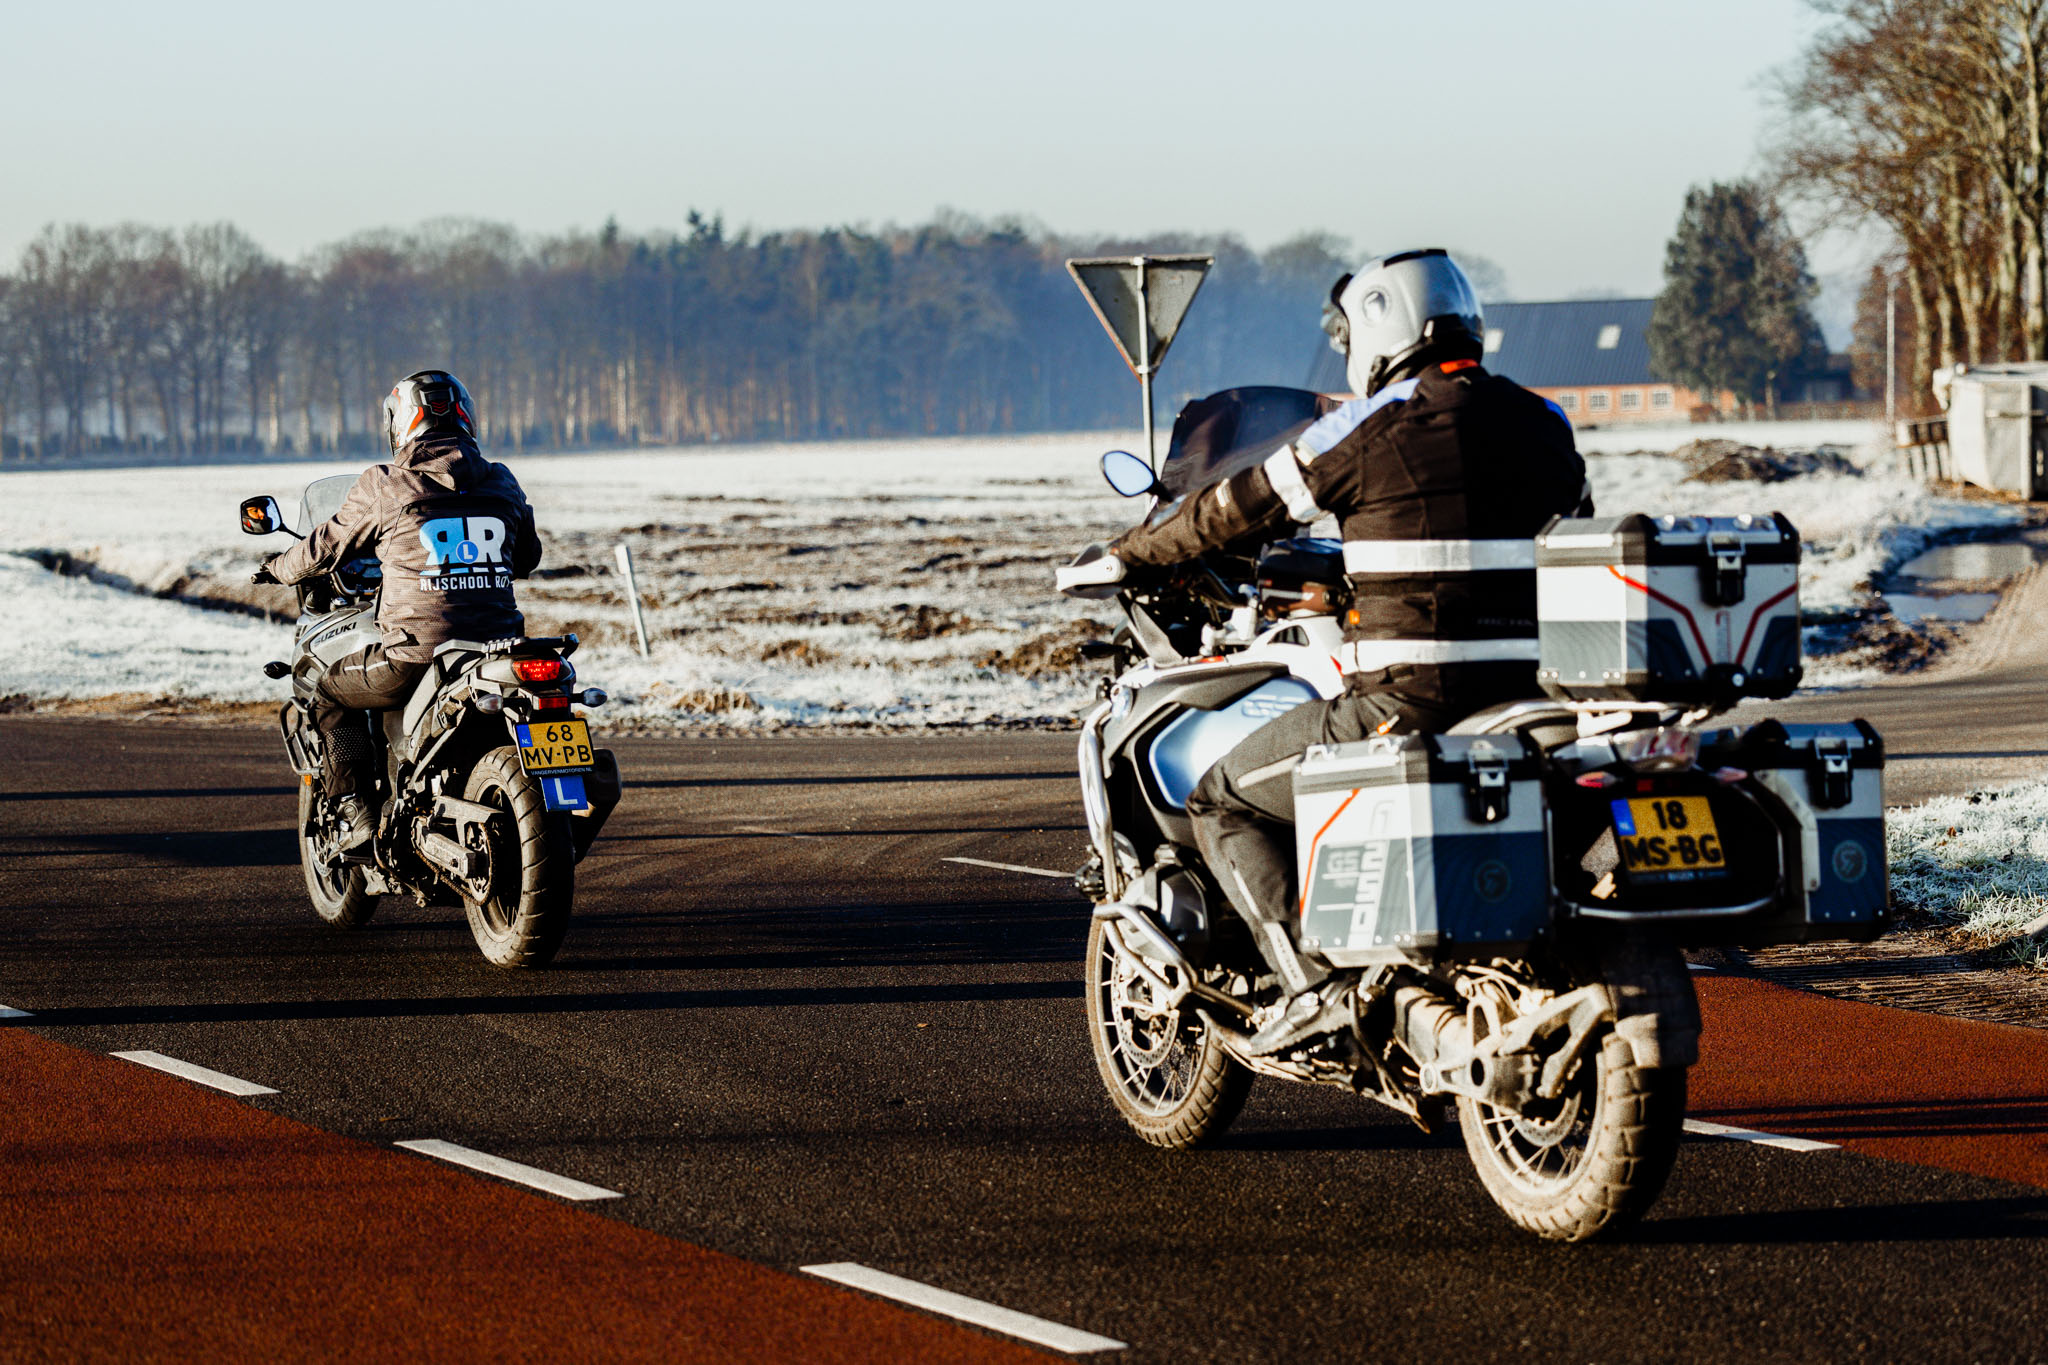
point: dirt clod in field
(1897, 647)
(798, 651)
(707, 700)
(1721, 461)
(1055, 652)
(926, 622)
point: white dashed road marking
(1071, 1340)
(533, 1176)
(7, 1012)
(1790, 1144)
(219, 1080)
(1010, 867)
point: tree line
(1929, 119)
(142, 338)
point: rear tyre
(530, 867)
(336, 889)
(1168, 1074)
(1590, 1162)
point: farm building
(1592, 357)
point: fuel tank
(1188, 744)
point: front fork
(1095, 804)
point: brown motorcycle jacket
(451, 529)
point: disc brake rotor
(1146, 1035)
(1551, 1123)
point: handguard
(1094, 573)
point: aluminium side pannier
(1415, 847)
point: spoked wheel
(519, 902)
(1590, 1161)
(337, 889)
(1167, 1072)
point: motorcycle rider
(451, 531)
(1440, 475)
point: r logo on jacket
(451, 530)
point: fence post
(625, 557)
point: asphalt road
(788, 1031)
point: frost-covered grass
(1977, 864)
(1623, 438)
(892, 583)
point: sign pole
(1145, 361)
(1891, 353)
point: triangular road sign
(1114, 286)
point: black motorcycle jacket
(451, 530)
(1439, 484)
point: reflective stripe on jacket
(1439, 485)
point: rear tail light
(550, 703)
(539, 670)
(1664, 749)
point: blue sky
(1557, 138)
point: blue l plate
(564, 793)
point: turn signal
(594, 696)
(490, 703)
(539, 670)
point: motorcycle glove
(264, 575)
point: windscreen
(323, 498)
(1231, 431)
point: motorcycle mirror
(1128, 474)
(260, 517)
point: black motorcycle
(490, 789)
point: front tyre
(529, 867)
(1589, 1162)
(337, 889)
(1167, 1073)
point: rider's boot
(354, 824)
(345, 756)
(1298, 1013)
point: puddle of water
(1956, 606)
(1975, 560)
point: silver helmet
(1399, 313)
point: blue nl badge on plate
(564, 793)
(522, 736)
(1624, 820)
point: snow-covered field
(861, 583)
(1977, 863)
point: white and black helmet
(428, 403)
(1398, 314)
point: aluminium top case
(1691, 610)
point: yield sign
(1140, 300)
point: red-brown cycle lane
(142, 1217)
(1894, 1083)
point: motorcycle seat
(1545, 724)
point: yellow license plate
(555, 746)
(1668, 839)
